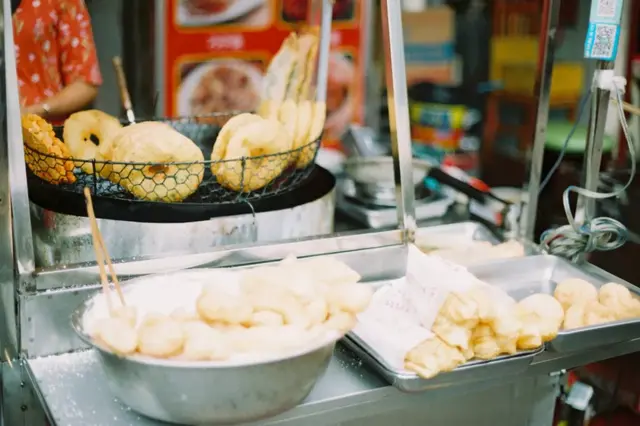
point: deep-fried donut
(254, 155)
(38, 135)
(79, 128)
(167, 166)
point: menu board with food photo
(294, 11)
(212, 85)
(215, 53)
(239, 13)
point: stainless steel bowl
(373, 180)
(205, 392)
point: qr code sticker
(604, 41)
(607, 8)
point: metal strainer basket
(251, 176)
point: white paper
(390, 325)
(430, 279)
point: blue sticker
(602, 41)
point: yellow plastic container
(514, 61)
(566, 80)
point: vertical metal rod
(586, 207)
(323, 50)
(546, 52)
(398, 100)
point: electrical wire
(601, 233)
(585, 101)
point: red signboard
(215, 53)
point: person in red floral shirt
(57, 66)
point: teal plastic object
(557, 132)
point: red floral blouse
(54, 48)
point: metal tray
(458, 234)
(472, 371)
(408, 381)
(385, 217)
(455, 234)
(540, 274)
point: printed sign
(216, 51)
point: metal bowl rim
(383, 160)
(78, 314)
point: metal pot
(205, 392)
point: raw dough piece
(161, 338)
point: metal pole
(586, 207)
(326, 14)
(546, 51)
(398, 101)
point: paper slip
(430, 279)
(390, 325)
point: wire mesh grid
(225, 181)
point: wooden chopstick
(102, 255)
(631, 109)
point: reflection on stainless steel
(61, 239)
(198, 393)
(546, 52)
(398, 101)
(540, 274)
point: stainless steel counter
(73, 391)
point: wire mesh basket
(225, 181)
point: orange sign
(216, 51)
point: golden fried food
(318, 117)
(587, 313)
(484, 343)
(46, 156)
(541, 317)
(622, 303)
(252, 156)
(574, 290)
(280, 69)
(164, 165)
(301, 78)
(78, 131)
(433, 356)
